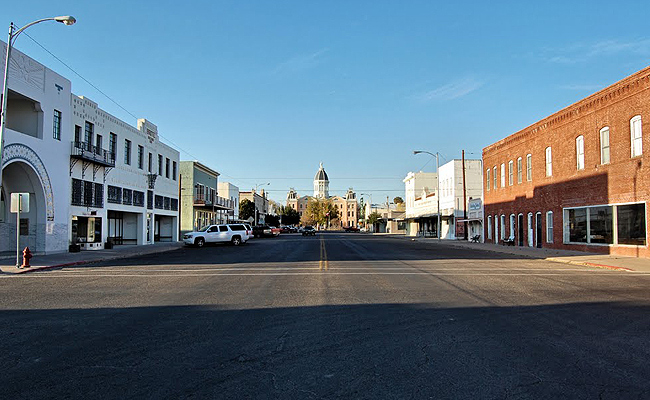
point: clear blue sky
(262, 91)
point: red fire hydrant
(27, 255)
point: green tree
(289, 215)
(246, 209)
(374, 218)
(319, 211)
(272, 220)
(398, 200)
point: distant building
(229, 191)
(261, 202)
(422, 203)
(345, 205)
(201, 205)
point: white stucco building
(422, 202)
(36, 155)
(230, 192)
(124, 181)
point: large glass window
(601, 225)
(636, 136)
(503, 227)
(529, 167)
(604, 145)
(580, 152)
(549, 162)
(631, 224)
(496, 176)
(578, 225)
(519, 170)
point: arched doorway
(19, 176)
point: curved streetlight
(436, 155)
(254, 193)
(13, 35)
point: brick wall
(623, 180)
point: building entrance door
(538, 226)
(520, 230)
(530, 230)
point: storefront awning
(470, 220)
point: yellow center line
(323, 263)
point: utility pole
(464, 199)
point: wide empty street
(326, 317)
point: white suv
(233, 233)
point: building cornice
(626, 87)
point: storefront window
(631, 224)
(578, 225)
(601, 224)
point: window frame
(549, 227)
(633, 139)
(495, 178)
(503, 175)
(487, 179)
(511, 167)
(56, 125)
(580, 153)
(127, 152)
(520, 170)
(603, 147)
(549, 161)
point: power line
(110, 98)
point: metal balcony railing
(95, 154)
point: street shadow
(376, 351)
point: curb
(69, 264)
(552, 259)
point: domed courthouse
(346, 206)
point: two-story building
(421, 203)
(36, 156)
(201, 204)
(576, 179)
(123, 180)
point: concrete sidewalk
(41, 262)
(630, 264)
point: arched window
(636, 136)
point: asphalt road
(331, 316)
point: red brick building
(578, 179)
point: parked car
(232, 233)
(265, 230)
(351, 229)
(285, 229)
(308, 230)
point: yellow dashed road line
(323, 263)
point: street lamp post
(436, 155)
(366, 194)
(254, 193)
(13, 35)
